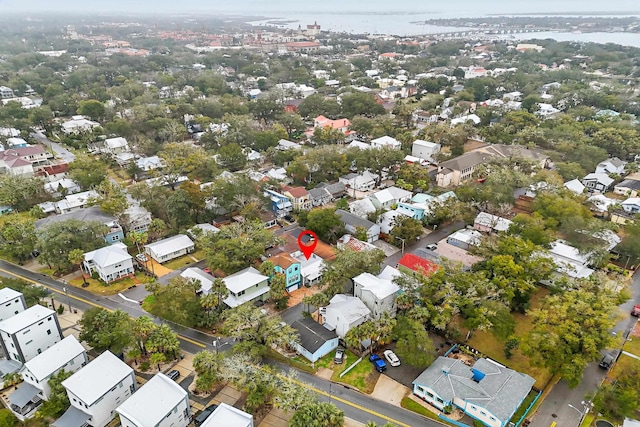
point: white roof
(310, 268)
(424, 143)
(118, 142)
(471, 237)
(632, 201)
(207, 228)
(283, 144)
(569, 260)
(575, 185)
(386, 140)
(228, 416)
(492, 221)
(25, 319)
(381, 287)
(170, 245)
(359, 144)
(206, 280)
(7, 294)
(350, 308)
(97, 378)
(464, 119)
(602, 178)
(148, 405)
(243, 280)
(109, 255)
(51, 360)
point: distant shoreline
(587, 14)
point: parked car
(289, 218)
(432, 246)
(635, 311)
(202, 416)
(173, 374)
(339, 357)
(378, 363)
(391, 358)
(606, 361)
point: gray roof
(500, 391)
(482, 154)
(312, 334)
(353, 220)
(333, 189)
(92, 213)
(465, 161)
(630, 183)
(319, 193)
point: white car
(391, 358)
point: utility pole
(402, 240)
(64, 288)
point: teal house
(290, 267)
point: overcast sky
(274, 6)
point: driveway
(58, 149)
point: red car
(635, 311)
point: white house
(345, 312)
(284, 145)
(387, 220)
(386, 141)
(486, 391)
(112, 262)
(388, 197)
(62, 186)
(149, 163)
(598, 182)
(246, 285)
(575, 186)
(631, 205)
(170, 248)
(160, 402)
(116, 145)
(611, 166)
(78, 124)
(569, 260)
(365, 181)
(362, 207)
(425, 149)
(310, 269)
(491, 223)
(11, 303)
(352, 222)
(76, 201)
(379, 292)
(228, 416)
(6, 92)
(28, 333)
(67, 354)
(96, 390)
(195, 273)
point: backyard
(185, 260)
(100, 288)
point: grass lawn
(493, 347)
(624, 363)
(523, 407)
(633, 342)
(588, 419)
(100, 288)
(46, 270)
(184, 260)
(362, 376)
(408, 403)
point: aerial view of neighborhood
(258, 219)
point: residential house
(388, 221)
(202, 229)
(343, 313)
(205, 280)
(597, 182)
(611, 166)
(112, 146)
(385, 199)
(147, 164)
(62, 187)
(77, 125)
(472, 118)
(268, 218)
(280, 204)
(316, 341)
(14, 165)
(379, 292)
(546, 111)
(160, 402)
(366, 181)
(339, 124)
(136, 218)
(319, 197)
(362, 207)
(359, 145)
(575, 186)
(73, 202)
(629, 187)
(111, 263)
(6, 92)
(290, 267)
(96, 390)
(170, 248)
(67, 354)
(24, 160)
(349, 242)
(299, 196)
(569, 260)
(386, 141)
(465, 238)
(310, 269)
(246, 285)
(631, 205)
(336, 190)
(416, 265)
(29, 333)
(228, 416)
(284, 145)
(113, 231)
(11, 303)
(487, 391)
(488, 223)
(425, 150)
(352, 222)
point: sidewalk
(390, 391)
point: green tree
(414, 347)
(232, 157)
(58, 401)
(164, 341)
(104, 330)
(348, 264)
(112, 198)
(32, 293)
(326, 224)
(21, 192)
(57, 240)
(87, 172)
(406, 229)
(178, 302)
(318, 415)
(378, 161)
(18, 236)
(76, 257)
(92, 108)
(179, 160)
(361, 104)
(7, 419)
(621, 399)
(247, 323)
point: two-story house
(11, 303)
(352, 222)
(366, 181)
(319, 197)
(96, 390)
(310, 269)
(246, 285)
(67, 354)
(378, 293)
(598, 182)
(425, 150)
(386, 141)
(170, 248)
(299, 196)
(205, 280)
(74, 202)
(136, 218)
(613, 166)
(285, 264)
(280, 204)
(160, 402)
(228, 416)
(111, 263)
(29, 333)
(344, 313)
(385, 199)
(24, 160)
(78, 125)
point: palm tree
(219, 288)
(143, 327)
(138, 238)
(206, 362)
(76, 257)
(158, 359)
(164, 341)
(208, 302)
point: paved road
(556, 406)
(433, 237)
(58, 149)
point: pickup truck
(635, 311)
(378, 363)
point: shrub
(60, 309)
(145, 366)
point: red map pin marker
(307, 241)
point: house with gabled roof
(352, 222)
(611, 166)
(336, 190)
(385, 199)
(170, 248)
(160, 402)
(110, 263)
(344, 313)
(11, 303)
(386, 141)
(299, 196)
(598, 182)
(316, 341)
(414, 264)
(228, 416)
(319, 196)
(488, 223)
(205, 280)
(289, 266)
(246, 285)
(487, 391)
(78, 124)
(378, 293)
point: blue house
(487, 391)
(280, 204)
(413, 210)
(290, 267)
(316, 341)
(5, 210)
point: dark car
(289, 218)
(378, 363)
(202, 416)
(339, 357)
(173, 374)
(606, 361)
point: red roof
(417, 264)
(297, 192)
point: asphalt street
(58, 149)
(433, 237)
